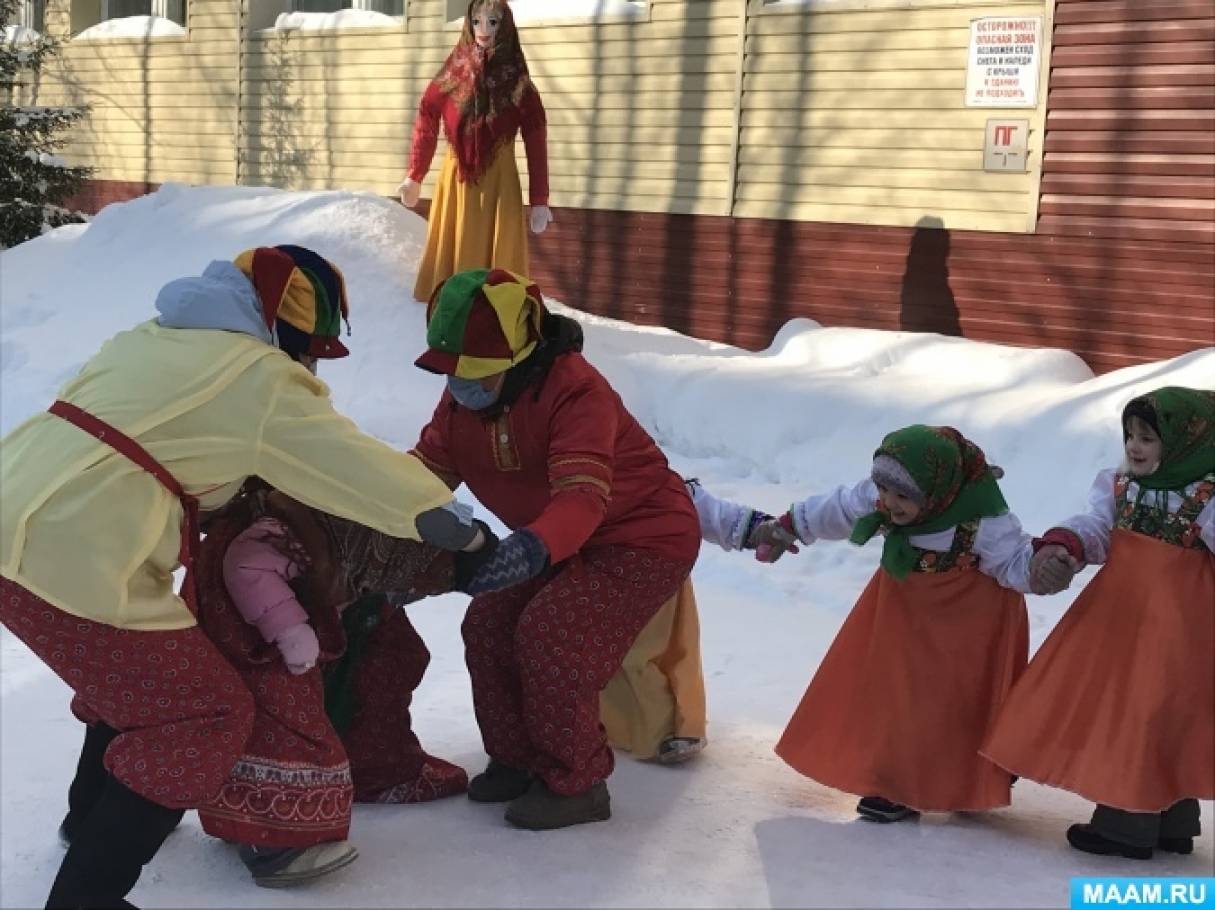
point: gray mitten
(771, 538)
(517, 558)
(1051, 570)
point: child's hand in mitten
(772, 538)
(299, 647)
(1052, 569)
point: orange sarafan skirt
(1119, 702)
(474, 226)
(910, 688)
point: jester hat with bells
(482, 322)
(303, 298)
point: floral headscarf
(957, 483)
(484, 84)
(1185, 421)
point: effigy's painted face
(485, 21)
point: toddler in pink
(258, 570)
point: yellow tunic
(474, 226)
(91, 532)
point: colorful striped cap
(481, 322)
(303, 298)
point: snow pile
(133, 27)
(530, 11)
(737, 828)
(343, 18)
(19, 34)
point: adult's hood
(221, 298)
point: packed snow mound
(106, 275)
(735, 828)
(532, 11)
(343, 18)
(133, 27)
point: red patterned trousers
(182, 712)
(539, 654)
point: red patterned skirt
(298, 776)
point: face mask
(470, 393)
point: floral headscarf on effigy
(1184, 419)
(957, 486)
(484, 85)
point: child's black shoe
(877, 809)
(1089, 840)
(1182, 845)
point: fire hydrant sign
(1003, 61)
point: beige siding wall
(840, 110)
(162, 108)
(853, 111)
(333, 109)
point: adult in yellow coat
(102, 499)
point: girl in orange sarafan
(910, 687)
(1118, 704)
(483, 96)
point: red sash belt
(128, 447)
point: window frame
(365, 5)
(31, 14)
(801, 7)
(159, 9)
(456, 9)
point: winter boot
(110, 848)
(282, 867)
(1182, 845)
(1086, 838)
(89, 780)
(540, 809)
(498, 783)
(877, 809)
(675, 750)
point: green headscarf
(1185, 421)
(951, 472)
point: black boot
(111, 847)
(498, 783)
(878, 809)
(89, 780)
(1089, 840)
(1182, 845)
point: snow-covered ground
(738, 828)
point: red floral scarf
(484, 85)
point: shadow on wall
(926, 302)
(279, 145)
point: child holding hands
(1119, 702)
(907, 692)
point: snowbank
(738, 828)
(529, 11)
(343, 18)
(133, 27)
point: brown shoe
(540, 809)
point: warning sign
(1002, 64)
